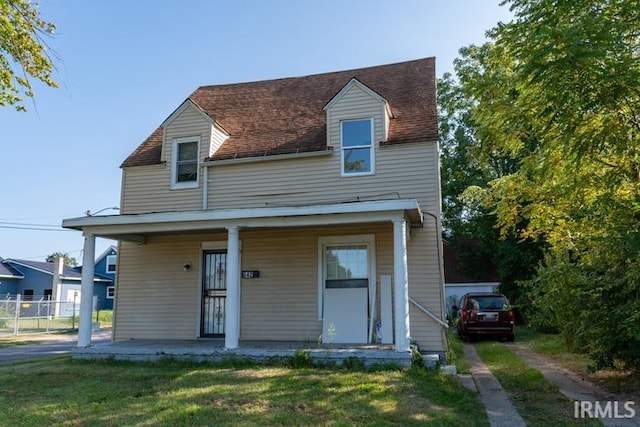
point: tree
(467, 161)
(68, 260)
(24, 54)
(557, 93)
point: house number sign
(250, 274)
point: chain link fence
(37, 314)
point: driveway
(48, 347)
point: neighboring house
(10, 279)
(458, 281)
(105, 266)
(34, 280)
(285, 210)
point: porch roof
(133, 227)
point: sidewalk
(573, 386)
(499, 408)
(50, 338)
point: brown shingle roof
(286, 115)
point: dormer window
(357, 153)
(185, 163)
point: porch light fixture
(187, 266)
(89, 213)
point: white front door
(347, 275)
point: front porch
(259, 351)
(265, 316)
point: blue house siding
(8, 286)
(34, 280)
(100, 290)
(102, 271)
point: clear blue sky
(126, 65)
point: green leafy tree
(24, 54)
(467, 161)
(68, 260)
(557, 93)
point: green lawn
(64, 392)
(456, 353)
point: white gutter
(267, 158)
(410, 206)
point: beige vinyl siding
(190, 122)
(403, 171)
(355, 104)
(217, 138)
(147, 189)
(281, 304)
(425, 286)
(157, 299)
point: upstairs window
(357, 147)
(111, 263)
(185, 162)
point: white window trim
(372, 156)
(106, 268)
(174, 163)
(358, 239)
(114, 292)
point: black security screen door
(214, 293)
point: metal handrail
(428, 313)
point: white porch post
(86, 290)
(232, 315)
(400, 286)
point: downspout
(442, 291)
(440, 273)
(205, 188)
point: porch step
(431, 360)
(138, 350)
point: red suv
(485, 314)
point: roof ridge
(326, 73)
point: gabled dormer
(190, 135)
(357, 121)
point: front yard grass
(538, 402)
(107, 393)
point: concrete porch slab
(259, 351)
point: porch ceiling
(134, 227)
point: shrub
(300, 360)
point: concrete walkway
(500, 410)
(45, 345)
(577, 388)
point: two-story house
(285, 210)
